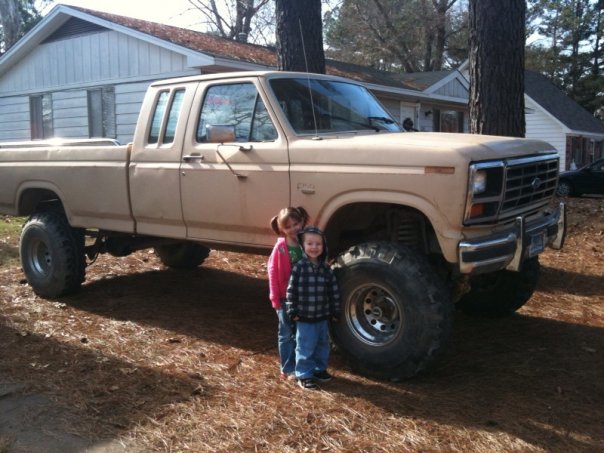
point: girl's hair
(299, 214)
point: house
(81, 73)
(556, 118)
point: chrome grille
(529, 184)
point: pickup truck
(417, 223)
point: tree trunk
(497, 39)
(300, 36)
(11, 23)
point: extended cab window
(237, 105)
(172, 104)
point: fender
(448, 237)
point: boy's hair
(299, 214)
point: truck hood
(423, 148)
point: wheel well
(32, 199)
(362, 222)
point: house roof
(560, 105)
(251, 53)
(194, 40)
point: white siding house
(541, 125)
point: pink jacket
(279, 269)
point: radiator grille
(529, 184)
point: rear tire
(52, 254)
(182, 255)
(396, 314)
(500, 294)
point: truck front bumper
(507, 250)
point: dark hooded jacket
(312, 293)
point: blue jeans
(312, 348)
(286, 337)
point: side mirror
(220, 133)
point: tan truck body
(222, 194)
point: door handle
(191, 157)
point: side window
(173, 115)
(262, 126)
(158, 114)
(237, 105)
(172, 103)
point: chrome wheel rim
(39, 258)
(374, 315)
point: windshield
(319, 106)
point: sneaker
(308, 384)
(322, 376)
(287, 376)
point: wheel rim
(564, 188)
(373, 315)
(39, 258)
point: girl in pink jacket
(285, 254)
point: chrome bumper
(508, 250)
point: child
(287, 224)
(313, 298)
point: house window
(101, 112)
(40, 111)
(448, 121)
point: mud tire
(52, 254)
(182, 255)
(500, 294)
(396, 314)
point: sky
(173, 12)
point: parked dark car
(586, 180)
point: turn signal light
(477, 210)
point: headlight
(485, 185)
(479, 182)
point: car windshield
(325, 106)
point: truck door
(154, 170)
(235, 167)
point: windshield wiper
(349, 121)
(381, 118)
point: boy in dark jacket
(313, 298)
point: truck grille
(530, 183)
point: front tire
(396, 314)
(501, 293)
(182, 255)
(52, 254)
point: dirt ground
(149, 359)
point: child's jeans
(286, 336)
(312, 348)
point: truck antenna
(312, 103)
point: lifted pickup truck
(416, 222)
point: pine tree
(497, 36)
(300, 36)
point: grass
(10, 229)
